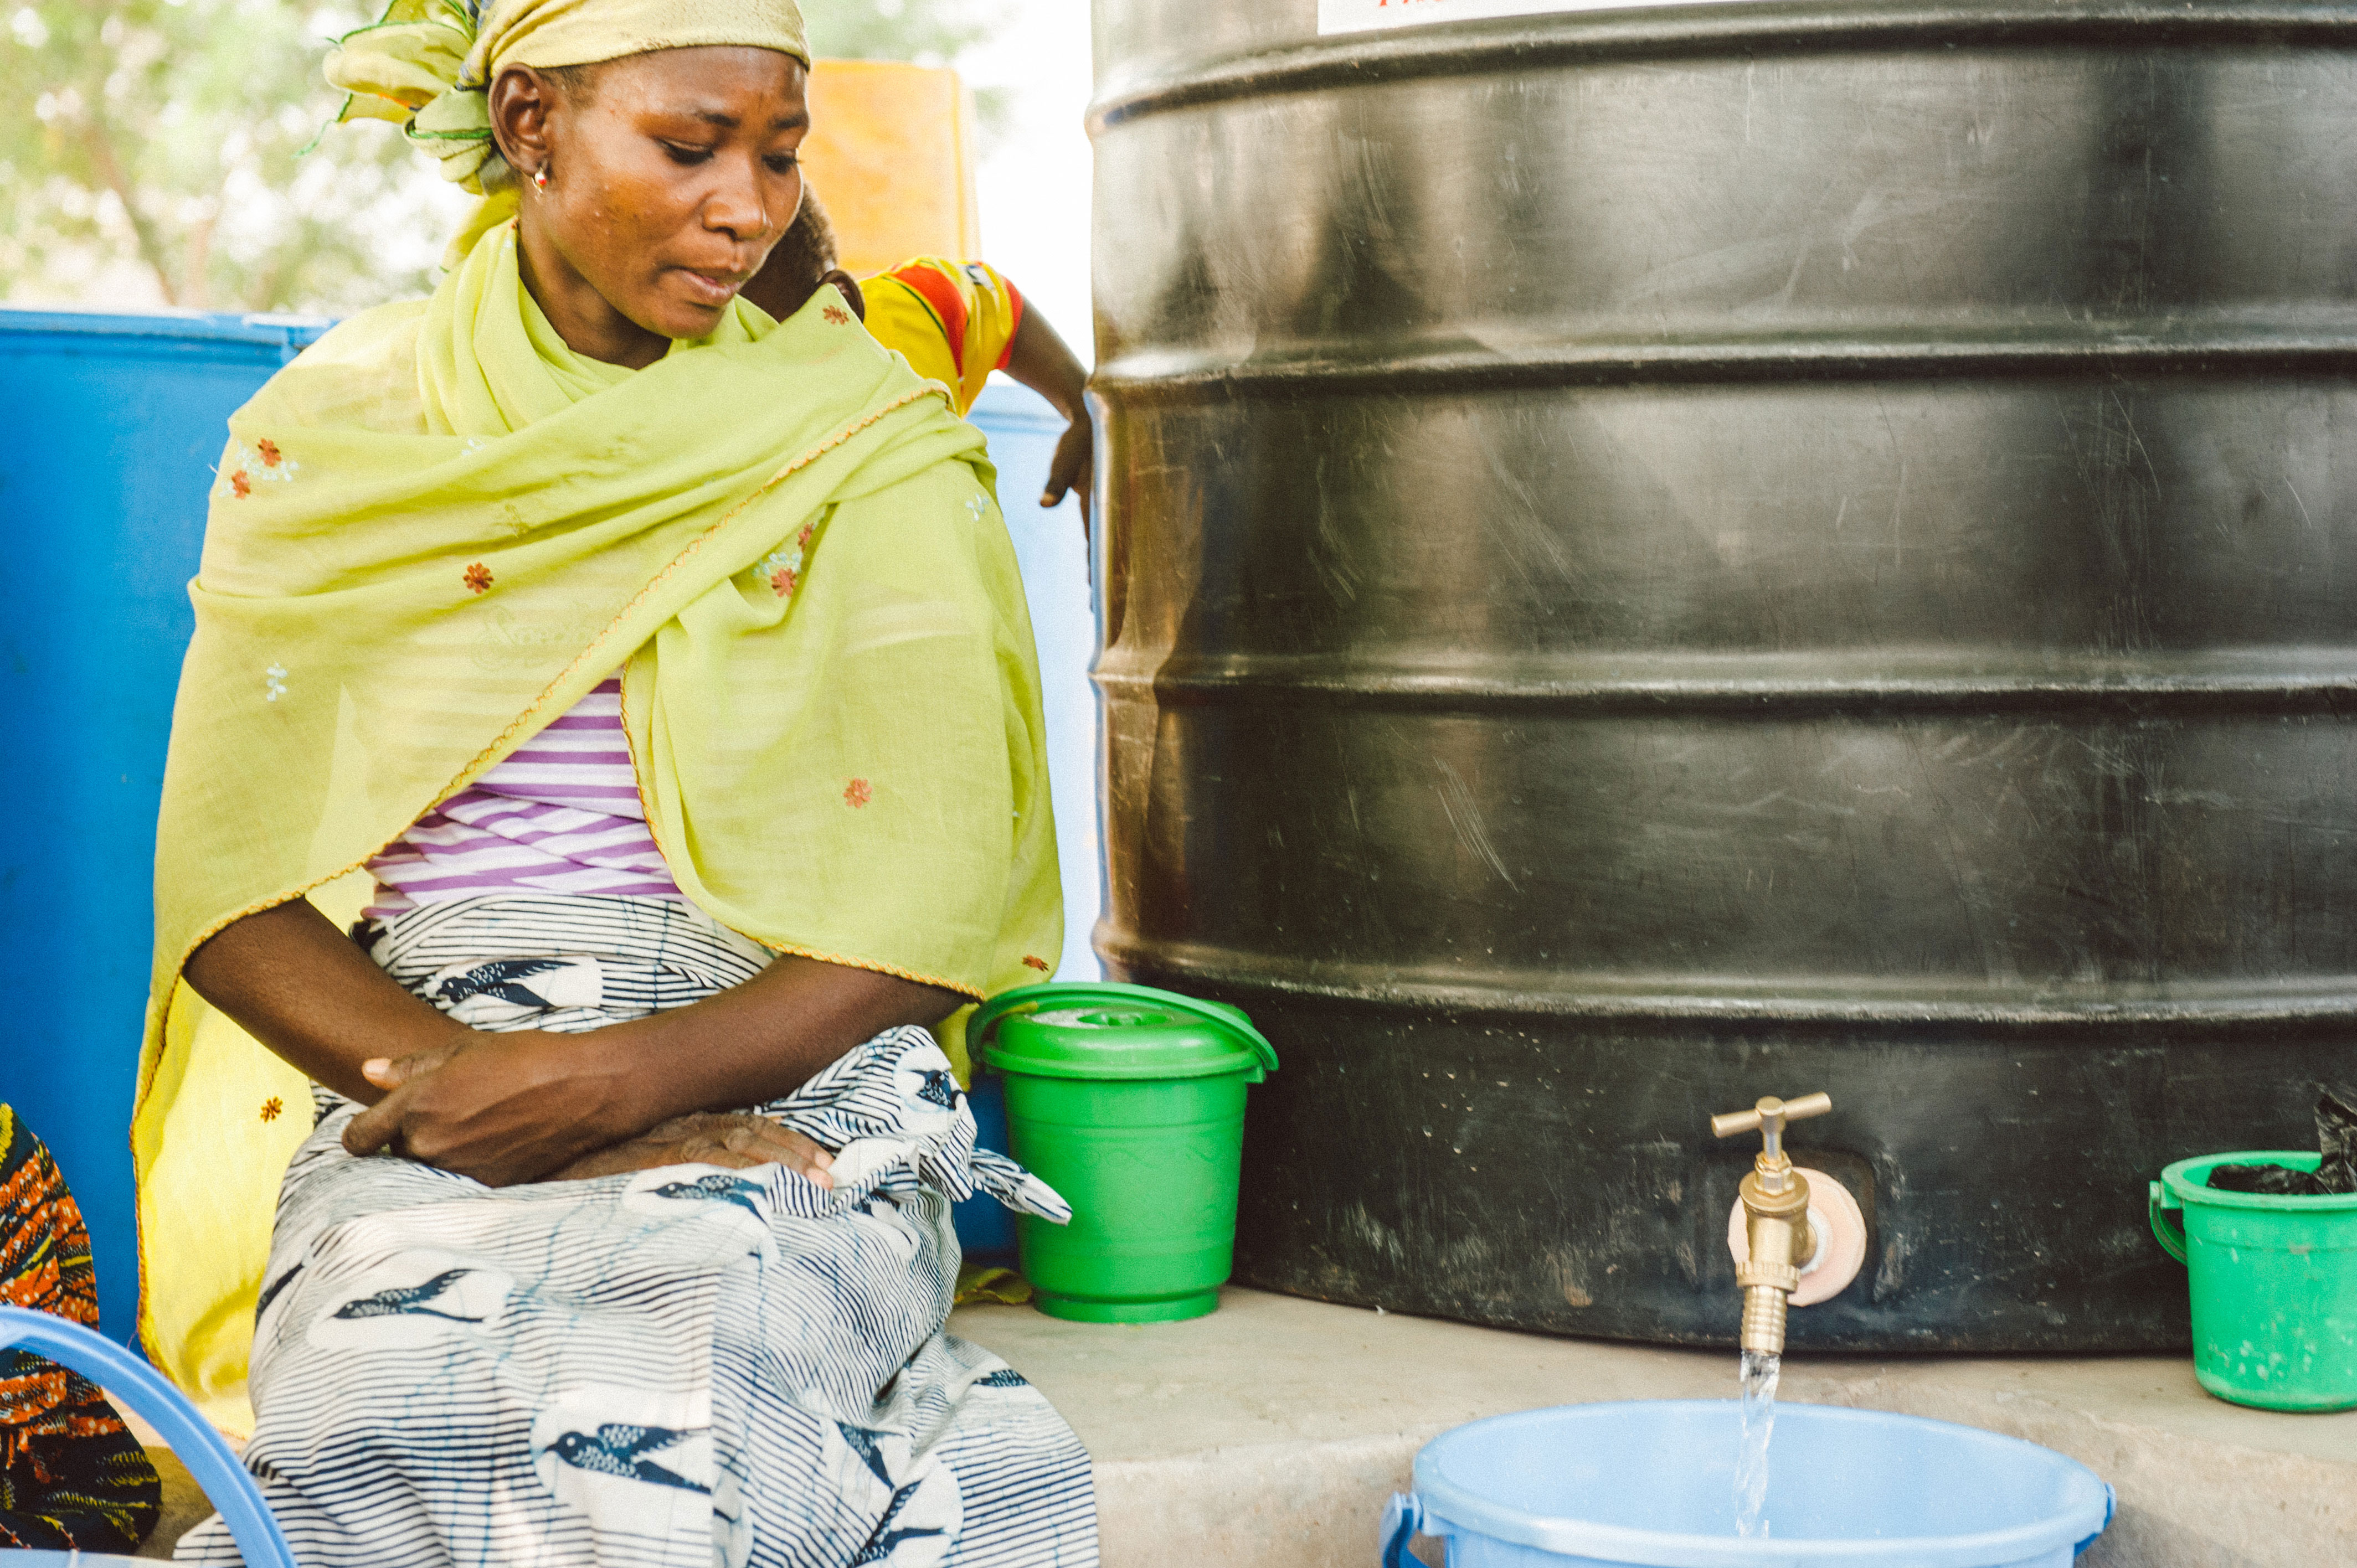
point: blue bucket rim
(1446, 1503)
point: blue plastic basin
(137, 1386)
(1651, 1485)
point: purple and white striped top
(561, 814)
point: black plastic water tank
(1660, 556)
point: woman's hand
(733, 1141)
(502, 1108)
(511, 1108)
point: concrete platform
(1268, 1435)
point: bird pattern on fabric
(862, 1442)
(886, 1540)
(270, 1292)
(715, 1189)
(615, 1451)
(940, 1089)
(649, 1385)
(408, 1300)
(501, 978)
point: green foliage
(930, 32)
(148, 136)
(148, 151)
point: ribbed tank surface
(1659, 556)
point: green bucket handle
(2168, 1217)
(1114, 993)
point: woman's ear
(520, 101)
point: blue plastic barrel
(1023, 431)
(1651, 1484)
(986, 1227)
(117, 422)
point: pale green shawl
(438, 529)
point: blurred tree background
(149, 152)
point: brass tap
(1776, 1217)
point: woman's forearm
(767, 1038)
(515, 1107)
(511, 1107)
(303, 989)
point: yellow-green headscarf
(438, 529)
(428, 65)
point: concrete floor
(1268, 1435)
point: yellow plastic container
(891, 153)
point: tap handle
(1770, 1116)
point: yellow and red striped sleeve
(953, 321)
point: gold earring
(540, 180)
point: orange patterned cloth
(73, 1478)
(954, 322)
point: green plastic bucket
(1129, 1102)
(2274, 1281)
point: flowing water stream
(1760, 1377)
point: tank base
(1558, 1175)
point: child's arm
(1040, 361)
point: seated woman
(622, 1235)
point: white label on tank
(1372, 15)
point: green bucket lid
(1114, 1031)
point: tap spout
(1776, 1219)
(1783, 1240)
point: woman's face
(669, 175)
